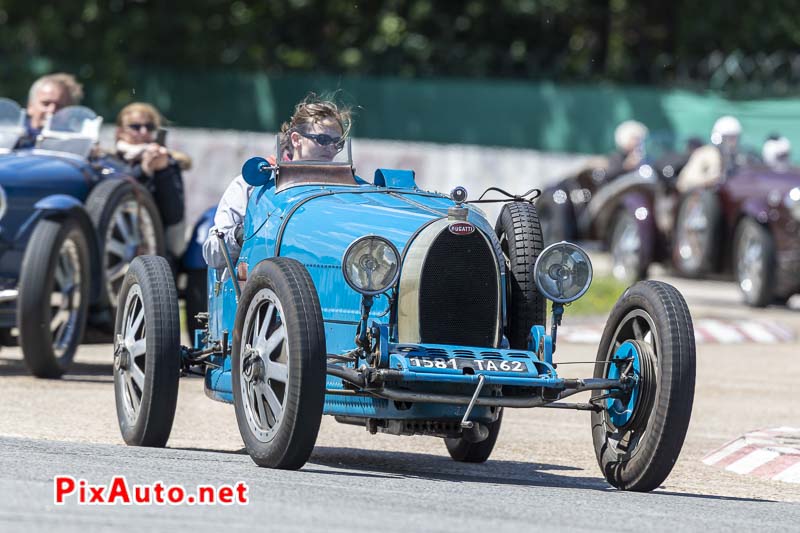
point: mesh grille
(458, 292)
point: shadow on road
(78, 372)
(434, 467)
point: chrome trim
(3, 203)
(8, 295)
(394, 278)
(408, 331)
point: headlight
(371, 265)
(563, 272)
(793, 203)
(3, 203)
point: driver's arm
(230, 215)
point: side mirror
(257, 171)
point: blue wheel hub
(621, 409)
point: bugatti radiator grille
(458, 292)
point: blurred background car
(464, 93)
(70, 223)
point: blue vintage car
(70, 223)
(405, 312)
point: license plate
(458, 363)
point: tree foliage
(647, 41)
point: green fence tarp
(536, 115)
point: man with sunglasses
(316, 132)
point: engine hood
(24, 174)
(319, 231)
(27, 178)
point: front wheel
(53, 296)
(639, 433)
(279, 365)
(754, 262)
(147, 352)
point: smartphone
(161, 136)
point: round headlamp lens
(371, 265)
(563, 272)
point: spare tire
(520, 236)
(127, 223)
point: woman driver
(316, 132)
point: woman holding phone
(140, 144)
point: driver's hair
(143, 108)
(314, 109)
(67, 82)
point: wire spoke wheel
(128, 225)
(627, 249)
(130, 233)
(54, 296)
(754, 262)
(693, 235)
(66, 299)
(697, 229)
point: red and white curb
(706, 330)
(768, 453)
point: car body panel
(759, 193)
(315, 225)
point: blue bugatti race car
(71, 221)
(405, 312)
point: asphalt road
(345, 489)
(543, 473)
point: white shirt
(230, 213)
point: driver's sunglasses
(323, 139)
(135, 126)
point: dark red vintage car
(747, 226)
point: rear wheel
(697, 230)
(128, 225)
(53, 296)
(520, 236)
(147, 353)
(463, 450)
(629, 253)
(754, 262)
(279, 364)
(639, 433)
